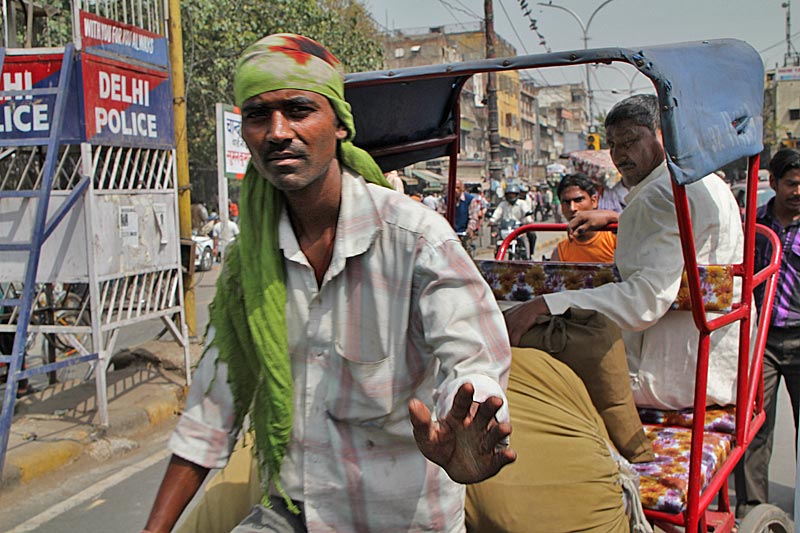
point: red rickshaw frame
(397, 121)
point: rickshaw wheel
(766, 518)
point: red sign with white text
(29, 116)
(126, 105)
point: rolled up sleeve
(463, 326)
(205, 433)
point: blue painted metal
(73, 360)
(19, 194)
(24, 142)
(75, 195)
(41, 229)
(15, 247)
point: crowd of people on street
(382, 382)
(211, 225)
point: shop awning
(434, 181)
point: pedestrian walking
(782, 352)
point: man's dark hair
(579, 180)
(783, 161)
(642, 109)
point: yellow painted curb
(159, 411)
(40, 458)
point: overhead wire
(468, 10)
(782, 41)
(450, 8)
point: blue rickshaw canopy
(710, 92)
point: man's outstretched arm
(180, 483)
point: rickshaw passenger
(577, 193)
(661, 344)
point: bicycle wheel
(766, 518)
(65, 347)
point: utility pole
(791, 58)
(585, 32)
(495, 165)
(181, 153)
(537, 139)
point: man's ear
(341, 131)
(773, 183)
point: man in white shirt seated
(661, 344)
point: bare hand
(519, 319)
(468, 443)
(586, 221)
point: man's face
(292, 136)
(574, 199)
(511, 197)
(635, 150)
(787, 191)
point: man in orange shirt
(578, 193)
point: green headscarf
(249, 308)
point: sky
(624, 23)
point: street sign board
(787, 74)
(236, 154)
(126, 105)
(30, 117)
(106, 37)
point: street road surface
(117, 496)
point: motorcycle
(518, 249)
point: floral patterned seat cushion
(719, 419)
(520, 281)
(664, 483)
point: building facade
(553, 123)
(448, 44)
(537, 124)
(782, 108)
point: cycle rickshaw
(711, 97)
